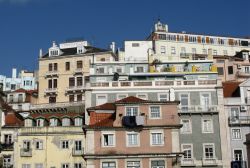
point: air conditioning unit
(243, 108)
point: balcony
(243, 74)
(24, 152)
(198, 109)
(155, 84)
(51, 91)
(239, 120)
(187, 162)
(209, 162)
(51, 74)
(133, 121)
(77, 152)
(7, 146)
(78, 71)
(75, 88)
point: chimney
(112, 47)
(40, 53)
(14, 73)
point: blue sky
(27, 25)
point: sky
(28, 25)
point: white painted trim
(157, 159)
(109, 160)
(191, 129)
(133, 160)
(138, 139)
(204, 144)
(130, 107)
(157, 131)
(163, 93)
(233, 139)
(117, 95)
(212, 125)
(192, 149)
(106, 95)
(102, 138)
(241, 151)
(146, 95)
(149, 109)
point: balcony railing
(75, 88)
(7, 146)
(239, 120)
(56, 105)
(50, 90)
(209, 161)
(173, 83)
(78, 70)
(24, 152)
(77, 152)
(197, 109)
(51, 73)
(187, 162)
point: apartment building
(64, 70)
(25, 80)
(167, 45)
(237, 111)
(51, 138)
(248, 147)
(199, 92)
(133, 132)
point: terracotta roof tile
(106, 106)
(231, 89)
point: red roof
(13, 119)
(101, 119)
(106, 106)
(131, 99)
(231, 89)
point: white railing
(174, 83)
(78, 70)
(209, 161)
(50, 73)
(187, 162)
(49, 129)
(50, 90)
(77, 152)
(55, 105)
(197, 109)
(24, 152)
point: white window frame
(162, 138)
(121, 94)
(61, 144)
(157, 159)
(108, 133)
(173, 50)
(40, 122)
(232, 137)
(190, 126)
(78, 163)
(26, 165)
(65, 121)
(160, 113)
(132, 160)
(100, 103)
(110, 161)
(209, 97)
(241, 152)
(192, 150)
(78, 121)
(40, 144)
(163, 49)
(202, 126)
(144, 94)
(138, 111)
(204, 154)
(53, 122)
(127, 139)
(62, 165)
(160, 99)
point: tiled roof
(231, 89)
(131, 99)
(13, 119)
(106, 106)
(59, 115)
(101, 119)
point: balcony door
(78, 145)
(205, 101)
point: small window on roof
(40, 122)
(53, 122)
(78, 121)
(28, 122)
(66, 121)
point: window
(205, 101)
(79, 64)
(65, 165)
(79, 97)
(157, 138)
(186, 128)
(236, 133)
(188, 151)
(67, 66)
(38, 165)
(132, 111)
(108, 165)
(118, 69)
(173, 51)
(247, 69)
(157, 164)
(139, 69)
(52, 99)
(26, 144)
(163, 50)
(108, 140)
(143, 96)
(7, 161)
(78, 145)
(71, 98)
(207, 126)
(121, 96)
(230, 70)
(133, 164)
(13, 87)
(19, 107)
(64, 144)
(78, 121)
(100, 70)
(155, 112)
(40, 122)
(238, 155)
(78, 165)
(53, 122)
(65, 122)
(132, 139)
(183, 50)
(50, 83)
(162, 36)
(220, 70)
(101, 99)
(28, 122)
(55, 66)
(135, 45)
(50, 67)
(208, 150)
(26, 166)
(184, 99)
(71, 81)
(54, 83)
(163, 97)
(39, 144)
(7, 138)
(79, 81)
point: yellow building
(64, 70)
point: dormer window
(28, 122)
(53, 122)
(54, 50)
(78, 121)
(40, 122)
(80, 50)
(66, 121)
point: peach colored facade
(145, 152)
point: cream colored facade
(51, 153)
(62, 75)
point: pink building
(133, 133)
